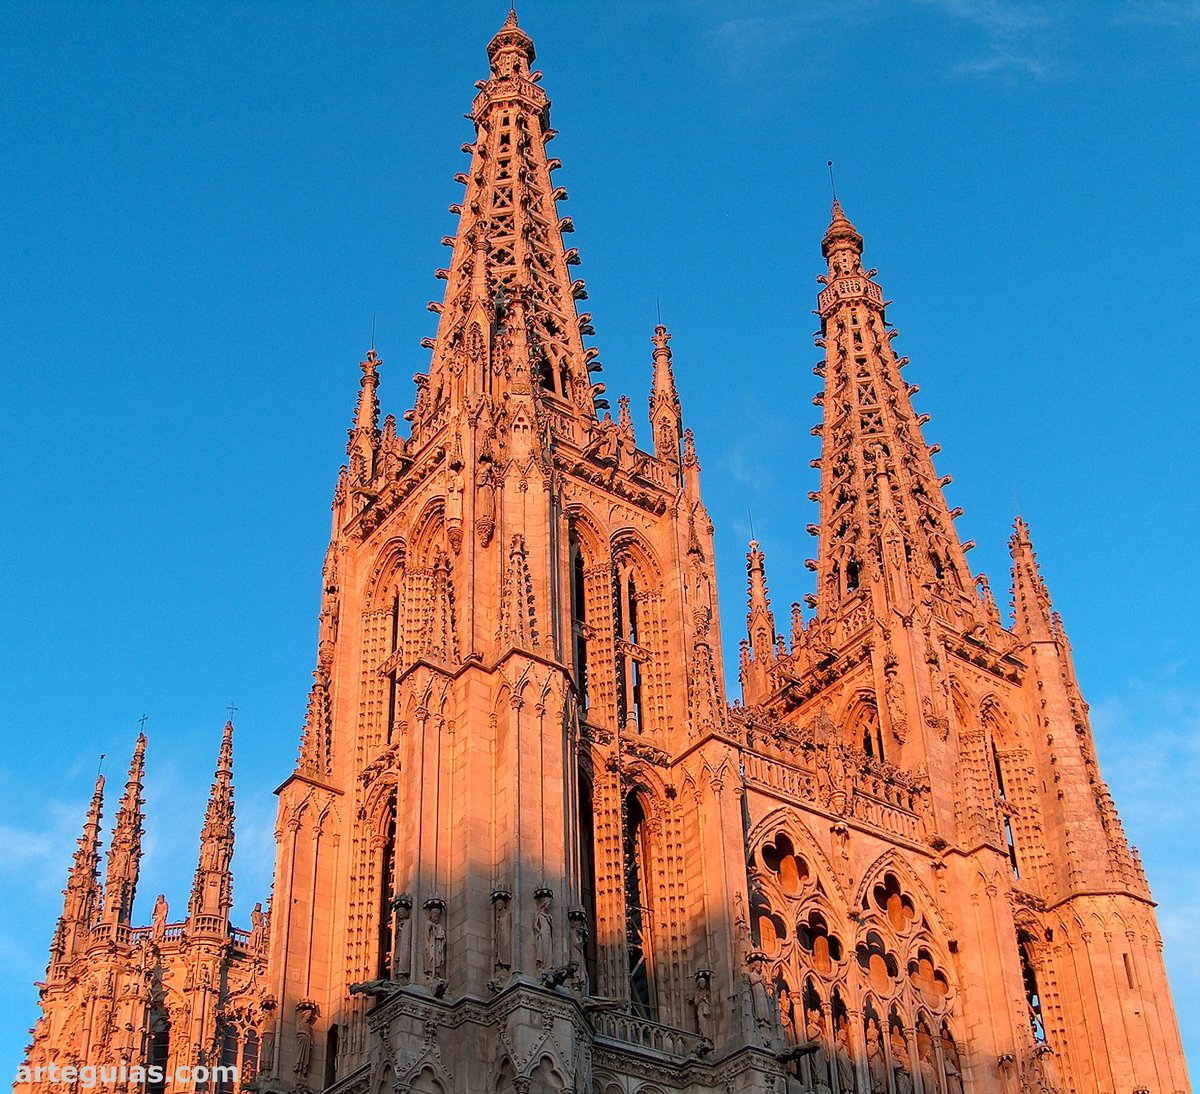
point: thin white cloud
(1173, 14)
(1018, 37)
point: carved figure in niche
(502, 925)
(951, 1065)
(837, 777)
(454, 507)
(577, 959)
(876, 1064)
(266, 1055)
(543, 929)
(402, 937)
(258, 927)
(893, 692)
(306, 1015)
(901, 1064)
(485, 505)
(158, 919)
(786, 1016)
(842, 1058)
(701, 1001)
(926, 1064)
(435, 945)
(814, 1034)
(760, 994)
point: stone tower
(527, 844)
(495, 871)
(172, 995)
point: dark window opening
(587, 873)
(852, 576)
(386, 881)
(229, 1061)
(1032, 997)
(638, 933)
(578, 622)
(331, 1053)
(159, 1054)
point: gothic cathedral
(529, 846)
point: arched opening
(579, 625)
(1009, 840)
(331, 1055)
(159, 1053)
(587, 869)
(867, 732)
(638, 914)
(1033, 998)
(228, 1062)
(629, 653)
(386, 885)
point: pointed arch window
(386, 884)
(579, 624)
(631, 656)
(638, 915)
(868, 732)
(1009, 839)
(229, 1059)
(159, 1052)
(1033, 998)
(587, 867)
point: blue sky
(203, 206)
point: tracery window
(639, 926)
(889, 968)
(579, 625)
(631, 656)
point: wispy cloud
(1148, 741)
(748, 42)
(1018, 37)
(1173, 14)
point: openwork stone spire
(212, 889)
(1033, 619)
(81, 898)
(125, 852)
(666, 416)
(884, 521)
(363, 444)
(508, 318)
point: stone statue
(435, 946)
(543, 930)
(843, 1059)
(954, 1084)
(814, 1034)
(158, 919)
(760, 994)
(502, 914)
(306, 1015)
(786, 1018)
(926, 1064)
(402, 938)
(701, 1000)
(258, 927)
(901, 1063)
(577, 958)
(876, 1065)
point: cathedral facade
(530, 846)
